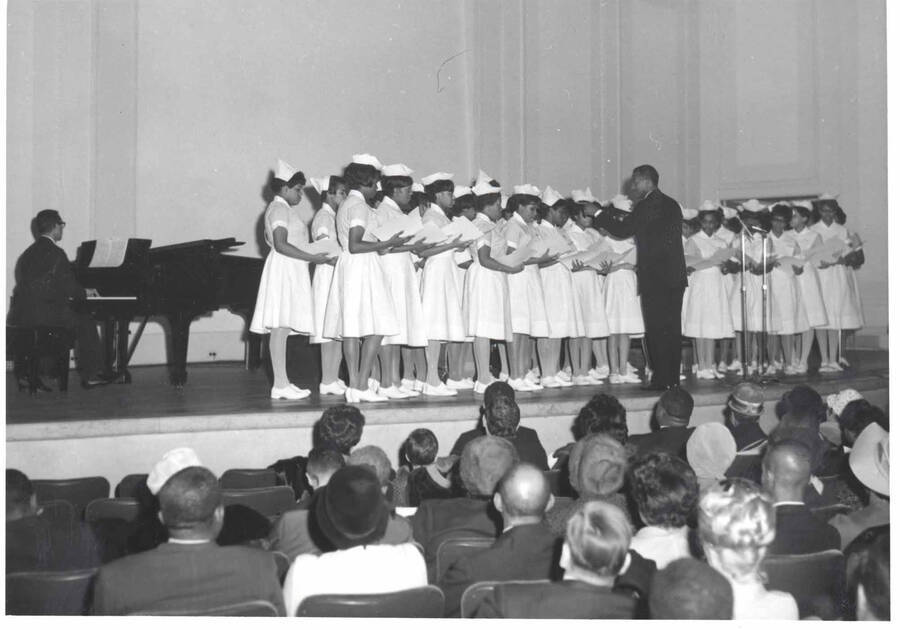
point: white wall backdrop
(160, 119)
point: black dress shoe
(91, 383)
(653, 387)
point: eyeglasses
(62, 223)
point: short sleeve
(358, 215)
(514, 234)
(279, 216)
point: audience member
(664, 490)
(526, 550)
(690, 589)
(785, 475)
(189, 573)
(855, 416)
(597, 467)
(870, 464)
(742, 412)
(669, 431)
(376, 459)
(710, 452)
(483, 463)
(35, 542)
(869, 575)
(425, 478)
(500, 418)
(736, 523)
(340, 428)
(353, 514)
(835, 405)
(242, 525)
(594, 554)
(802, 400)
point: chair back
(425, 601)
(282, 564)
(50, 592)
(127, 510)
(59, 511)
(828, 512)
(816, 580)
(452, 549)
(270, 502)
(252, 608)
(246, 478)
(79, 492)
(479, 591)
(132, 486)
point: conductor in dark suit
(47, 294)
(655, 224)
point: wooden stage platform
(225, 414)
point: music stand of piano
(177, 282)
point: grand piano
(178, 282)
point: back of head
(602, 414)
(321, 463)
(19, 492)
(746, 402)
(421, 447)
(501, 416)
(340, 427)
(46, 220)
(737, 516)
(498, 389)
(868, 574)
(856, 416)
(483, 463)
(690, 589)
(597, 466)
(524, 492)
(710, 451)
(786, 469)
(677, 405)
(188, 500)
(376, 459)
(802, 400)
(645, 171)
(664, 489)
(801, 427)
(598, 536)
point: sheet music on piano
(109, 252)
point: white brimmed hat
(418, 187)
(483, 178)
(396, 170)
(837, 402)
(320, 183)
(870, 459)
(689, 213)
(527, 189)
(434, 177)
(754, 205)
(461, 191)
(806, 203)
(171, 463)
(484, 188)
(365, 158)
(708, 206)
(284, 171)
(550, 196)
(729, 212)
(589, 196)
(621, 202)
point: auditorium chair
(422, 602)
(50, 592)
(828, 512)
(251, 608)
(452, 549)
(246, 478)
(132, 486)
(79, 492)
(816, 580)
(477, 592)
(31, 345)
(125, 509)
(282, 564)
(59, 511)
(270, 502)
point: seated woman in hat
(352, 514)
(736, 524)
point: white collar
(184, 541)
(777, 503)
(484, 216)
(391, 203)
(518, 217)
(326, 207)
(356, 193)
(282, 200)
(576, 228)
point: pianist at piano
(48, 294)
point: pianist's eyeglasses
(62, 223)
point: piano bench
(32, 344)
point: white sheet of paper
(554, 242)
(323, 246)
(627, 257)
(519, 256)
(461, 226)
(590, 253)
(828, 251)
(109, 252)
(407, 225)
(429, 233)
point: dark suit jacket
(525, 552)
(655, 223)
(669, 440)
(747, 435)
(437, 520)
(569, 599)
(526, 441)
(797, 530)
(187, 577)
(45, 287)
(36, 543)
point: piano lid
(136, 251)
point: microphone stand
(745, 338)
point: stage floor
(228, 389)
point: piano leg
(122, 375)
(109, 353)
(179, 324)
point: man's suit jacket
(437, 520)
(668, 440)
(45, 287)
(37, 543)
(526, 441)
(187, 578)
(655, 223)
(569, 599)
(797, 530)
(525, 552)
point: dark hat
(747, 399)
(48, 217)
(352, 511)
(677, 403)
